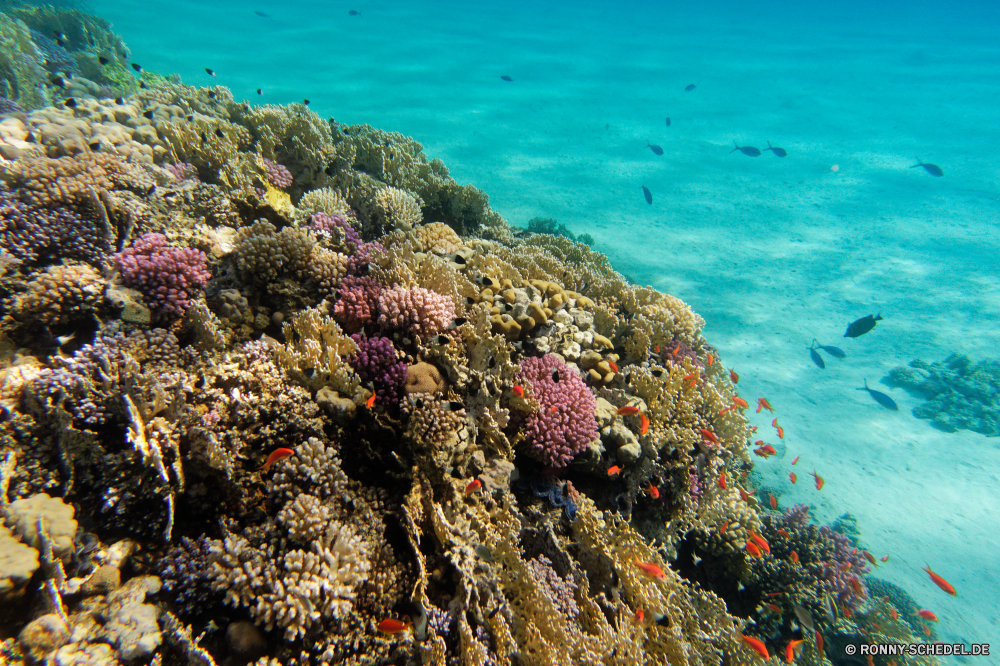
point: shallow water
(770, 251)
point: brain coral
(564, 424)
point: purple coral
(357, 263)
(564, 424)
(322, 222)
(420, 311)
(842, 573)
(277, 174)
(39, 236)
(378, 366)
(167, 276)
(675, 352)
(358, 302)
(182, 170)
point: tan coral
(397, 209)
(44, 181)
(316, 351)
(322, 200)
(61, 294)
(438, 237)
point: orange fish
(656, 349)
(869, 557)
(650, 569)
(743, 404)
(819, 644)
(722, 530)
(893, 613)
(792, 477)
(709, 360)
(628, 409)
(734, 377)
(774, 608)
(756, 645)
(794, 556)
(941, 582)
(613, 470)
(692, 377)
(790, 650)
(871, 660)
(783, 534)
(761, 542)
(370, 401)
(781, 431)
(765, 451)
(774, 594)
(796, 459)
(753, 549)
(885, 559)
(819, 480)
(654, 492)
(393, 626)
(927, 615)
(927, 630)
(709, 435)
(774, 502)
(639, 615)
(743, 494)
(613, 365)
(473, 486)
(762, 403)
(518, 391)
(722, 481)
(276, 455)
(644, 426)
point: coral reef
(167, 276)
(960, 394)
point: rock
(343, 410)
(423, 377)
(56, 516)
(132, 625)
(17, 563)
(105, 579)
(43, 636)
(129, 301)
(629, 453)
(246, 641)
(85, 654)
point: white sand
(772, 252)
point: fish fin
(878, 317)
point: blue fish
(507, 78)
(656, 149)
(835, 352)
(689, 87)
(649, 195)
(780, 152)
(260, 13)
(749, 151)
(816, 358)
(932, 169)
(668, 122)
(880, 398)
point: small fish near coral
(932, 169)
(941, 582)
(862, 326)
(689, 87)
(749, 151)
(880, 398)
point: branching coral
(379, 367)
(167, 276)
(420, 311)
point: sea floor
(771, 251)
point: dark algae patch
(960, 394)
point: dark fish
(262, 14)
(555, 376)
(780, 152)
(459, 321)
(862, 326)
(102, 60)
(668, 122)
(835, 352)
(58, 80)
(746, 150)
(816, 358)
(58, 34)
(211, 94)
(70, 102)
(60, 41)
(656, 373)
(689, 87)
(148, 114)
(203, 137)
(95, 145)
(306, 102)
(137, 67)
(142, 84)
(646, 193)
(219, 133)
(354, 12)
(486, 281)
(443, 339)
(119, 100)
(259, 92)
(880, 398)
(209, 72)
(506, 78)
(932, 169)
(455, 405)
(656, 149)
(329, 171)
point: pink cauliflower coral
(421, 311)
(564, 424)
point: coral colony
(278, 390)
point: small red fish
(518, 390)
(743, 404)
(656, 349)
(819, 644)
(722, 481)
(762, 403)
(774, 608)
(774, 594)
(473, 486)
(790, 650)
(794, 557)
(927, 630)
(722, 530)
(870, 557)
(781, 431)
(709, 435)
(792, 477)
(709, 360)
(555, 408)
(613, 470)
(796, 459)
(639, 615)
(613, 366)
(756, 645)
(393, 626)
(644, 425)
(819, 480)
(650, 569)
(743, 494)
(885, 559)
(753, 549)
(628, 409)
(774, 502)
(783, 534)
(761, 542)
(735, 378)
(871, 660)
(941, 582)
(276, 455)
(370, 401)
(927, 615)
(893, 613)
(765, 451)
(654, 492)
(692, 377)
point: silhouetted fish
(780, 152)
(862, 326)
(259, 92)
(102, 60)
(689, 87)
(746, 150)
(668, 122)
(260, 13)
(835, 352)
(306, 102)
(70, 102)
(646, 193)
(816, 358)
(354, 12)
(932, 169)
(880, 398)
(137, 67)
(506, 78)
(209, 72)
(656, 149)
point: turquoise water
(771, 251)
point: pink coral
(167, 276)
(278, 174)
(358, 302)
(564, 424)
(421, 311)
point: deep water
(771, 251)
